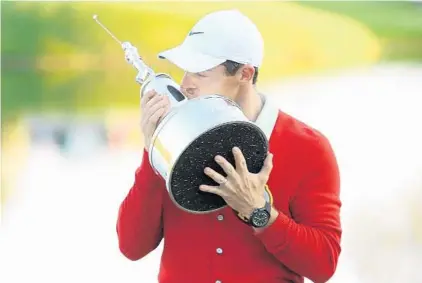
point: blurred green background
(56, 60)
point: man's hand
(153, 108)
(243, 191)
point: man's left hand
(243, 191)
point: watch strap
(266, 208)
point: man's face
(214, 81)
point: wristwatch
(260, 216)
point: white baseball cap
(217, 37)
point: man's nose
(187, 86)
(187, 80)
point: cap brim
(189, 60)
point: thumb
(268, 166)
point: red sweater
(304, 240)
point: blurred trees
(55, 58)
(398, 24)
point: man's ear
(247, 73)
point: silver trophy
(191, 134)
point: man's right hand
(153, 107)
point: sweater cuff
(274, 236)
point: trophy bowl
(189, 137)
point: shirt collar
(268, 116)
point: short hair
(232, 68)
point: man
(301, 237)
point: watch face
(260, 219)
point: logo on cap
(195, 32)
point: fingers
(147, 97)
(153, 108)
(227, 167)
(212, 189)
(156, 103)
(217, 177)
(152, 97)
(153, 119)
(240, 161)
(157, 99)
(266, 169)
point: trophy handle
(148, 79)
(164, 84)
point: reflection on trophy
(191, 134)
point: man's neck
(251, 104)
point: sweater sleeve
(139, 223)
(310, 244)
